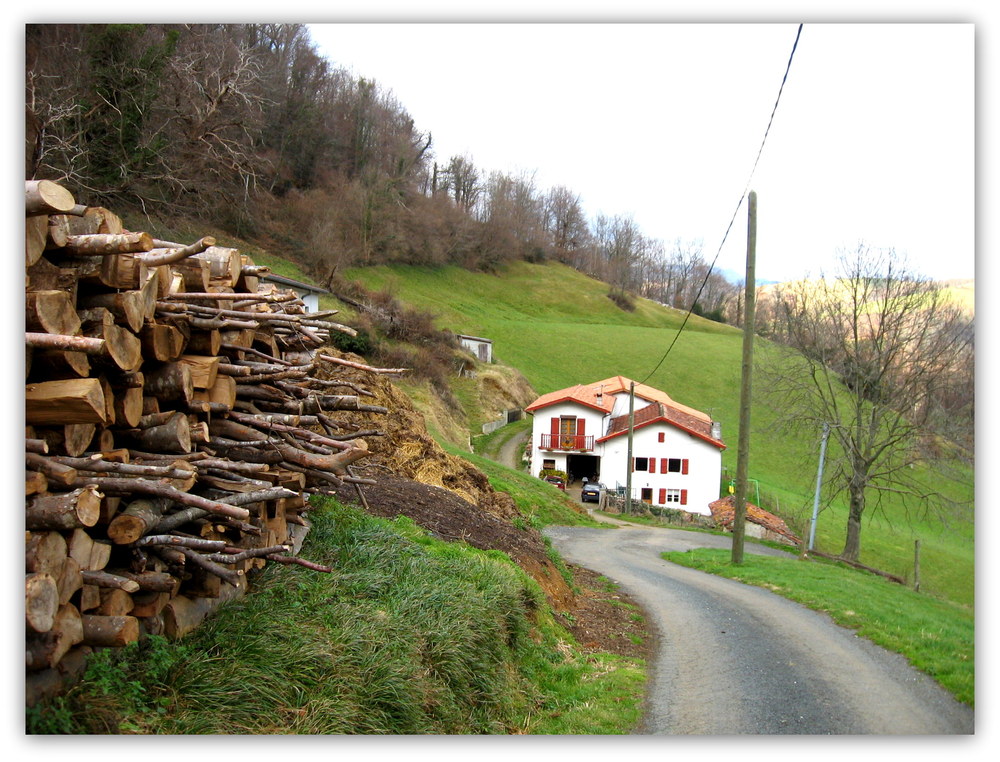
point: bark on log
(108, 244)
(46, 197)
(158, 489)
(55, 341)
(174, 436)
(41, 601)
(122, 346)
(64, 510)
(138, 519)
(47, 649)
(166, 253)
(35, 482)
(55, 470)
(183, 614)
(106, 579)
(128, 307)
(204, 369)
(113, 631)
(171, 381)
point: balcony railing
(575, 442)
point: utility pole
(631, 431)
(743, 451)
(819, 483)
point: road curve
(733, 659)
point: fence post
(916, 565)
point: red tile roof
(600, 396)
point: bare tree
(872, 349)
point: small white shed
(307, 292)
(480, 347)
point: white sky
(873, 139)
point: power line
(735, 211)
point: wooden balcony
(567, 442)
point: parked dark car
(558, 481)
(591, 492)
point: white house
(676, 450)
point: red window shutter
(663, 496)
(663, 465)
(555, 427)
(684, 497)
(581, 426)
(660, 437)
(652, 465)
(684, 466)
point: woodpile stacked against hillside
(174, 430)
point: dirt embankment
(440, 492)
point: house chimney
(717, 430)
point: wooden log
(50, 311)
(66, 401)
(174, 436)
(35, 482)
(153, 581)
(41, 601)
(46, 197)
(100, 556)
(62, 342)
(47, 649)
(111, 631)
(44, 552)
(36, 234)
(128, 406)
(167, 253)
(124, 271)
(106, 579)
(183, 614)
(109, 244)
(162, 342)
(46, 276)
(224, 265)
(122, 347)
(149, 604)
(47, 683)
(128, 307)
(90, 598)
(114, 602)
(56, 471)
(55, 364)
(195, 273)
(140, 486)
(169, 382)
(204, 369)
(205, 343)
(138, 519)
(70, 580)
(63, 510)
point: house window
(660, 437)
(673, 496)
(549, 463)
(673, 465)
(647, 495)
(640, 464)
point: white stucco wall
(594, 426)
(704, 465)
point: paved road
(732, 659)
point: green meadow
(558, 327)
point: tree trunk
(59, 402)
(46, 197)
(852, 545)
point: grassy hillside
(559, 328)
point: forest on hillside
(249, 127)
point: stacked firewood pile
(174, 430)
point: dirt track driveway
(732, 659)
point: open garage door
(583, 467)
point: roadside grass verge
(936, 636)
(410, 635)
